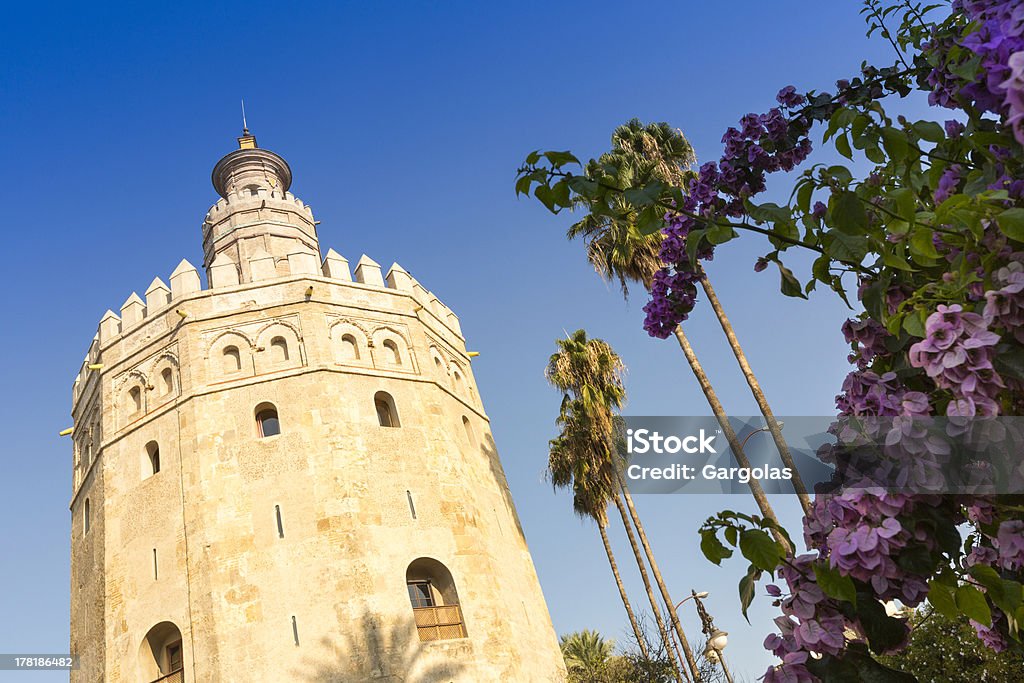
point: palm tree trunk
(676, 626)
(755, 388)
(650, 592)
(730, 434)
(640, 640)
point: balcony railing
(173, 677)
(439, 623)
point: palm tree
(618, 250)
(586, 652)
(569, 455)
(589, 373)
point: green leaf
(650, 220)
(789, 285)
(843, 146)
(921, 244)
(748, 585)
(533, 157)
(713, 548)
(560, 193)
(643, 196)
(559, 159)
(803, 196)
(896, 261)
(1009, 361)
(848, 213)
(929, 130)
(731, 535)
(873, 153)
(941, 598)
(523, 186)
(583, 186)
(971, 602)
(913, 323)
(906, 203)
(761, 549)
(883, 632)
(546, 197)
(840, 173)
(844, 247)
(719, 233)
(1011, 222)
(834, 584)
(895, 142)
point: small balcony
(439, 623)
(173, 677)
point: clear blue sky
(404, 124)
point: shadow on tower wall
(490, 450)
(376, 651)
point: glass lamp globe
(718, 640)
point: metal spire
(245, 126)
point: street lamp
(757, 431)
(717, 638)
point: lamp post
(717, 639)
(756, 431)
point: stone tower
(289, 476)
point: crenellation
(158, 295)
(110, 326)
(262, 266)
(368, 272)
(185, 280)
(399, 279)
(335, 266)
(223, 272)
(303, 263)
(132, 311)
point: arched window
(470, 436)
(349, 347)
(434, 600)
(387, 416)
(160, 654)
(392, 356)
(267, 423)
(153, 458)
(460, 384)
(86, 516)
(278, 350)
(232, 359)
(134, 400)
(166, 381)
(438, 365)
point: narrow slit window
(387, 416)
(267, 422)
(392, 356)
(156, 574)
(166, 382)
(295, 630)
(134, 400)
(468, 428)
(412, 505)
(153, 454)
(232, 359)
(86, 516)
(349, 347)
(279, 350)
(280, 524)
